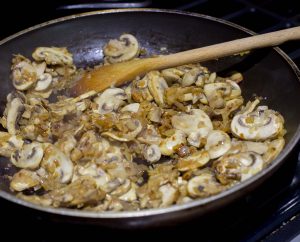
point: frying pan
(268, 73)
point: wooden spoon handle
(227, 48)
(119, 73)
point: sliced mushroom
(65, 70)
(140, 91)
(24, 75)
(250, 106)
(110, 100)
(39, 67)
(235, 90)
(152, 153)
(114, 155)
(132, 108)
(9, 143)
(257, 147)
(24, 179)
(196, 139)
(40, 94)
(66, 143)
(169, 195)
(15, 110)
(122, 189)
(57, 164)
(238, 167)
(130, 196)
(157, 86)
(273, 150)
(193, 161)
(193, 76)
(217, 143)
(128, 91)
(216, 93)
(172, 74)
(30, 156)
(232, 105)
(196, 125)
(123, 49)
(187, 94)
(196, 121)
(82, 192)
(154, 114)
(132, 127)
(43, 82)
(236, 77)
(94, 171)
(260, 124)
(53, 55)
(169, 145)
(203, 185)
(149, 136)
(212, 77)
(244, 146)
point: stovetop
(270, 213)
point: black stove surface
(270, 213)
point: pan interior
(266, 72)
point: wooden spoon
(120, 73)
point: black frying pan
(268, 73)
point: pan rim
(175, 208)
